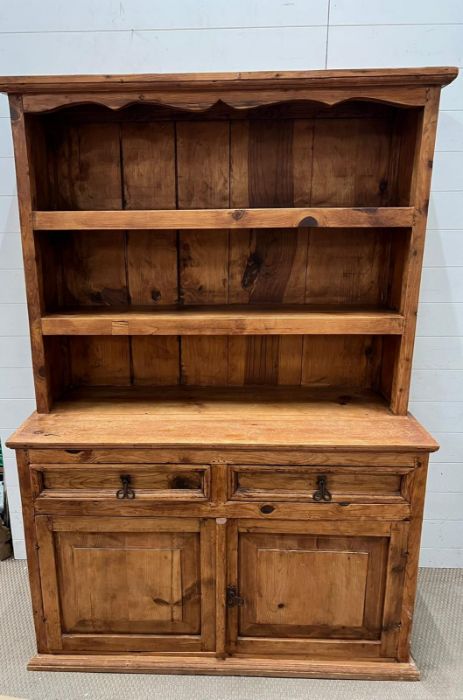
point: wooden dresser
(222, 278)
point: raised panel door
(126, 584)
(320, 587)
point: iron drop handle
(322, 493)
(125, 491)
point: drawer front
(132, 455)
(124, 482)
(318, 484)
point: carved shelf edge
(199, 102)
(198, 92)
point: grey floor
(437, 647)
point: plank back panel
(287, 155)
(96, 360)
(341, 360)
(304, 154)
(347, 266)
(84, 166)
(270, 162)
(318, 361)
(148, 164)
(203, 164)
(339, 267)
(85, 171)
(94, 269)
(149, 182)
(351, 162)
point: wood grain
(300, 483)
(221, 575)
(203, 181)
(291, 668)
(34, 280)
(372, 460)
(327, 79)
(148, 162)
(289, 578)
(294, 217)
(33, 567)
(230, 424)
(174, 482)
(48, 582)
(222, 320)
(85, 166)
(420, 188)
(414, 490)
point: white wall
(50, 36)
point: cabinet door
(329, 588)
(120, 584)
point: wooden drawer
(238, 456)
(318, 484)
(123, 482)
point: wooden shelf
(336, 217)
(222, 320)
(283, 417)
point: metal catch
(125, 491)
(233, 599)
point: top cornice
(320, 79)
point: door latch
(233, 599)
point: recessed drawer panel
(124, 482)
(323, 484)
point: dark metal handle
(125, 491)
(322, 493)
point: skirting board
(236, 666)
